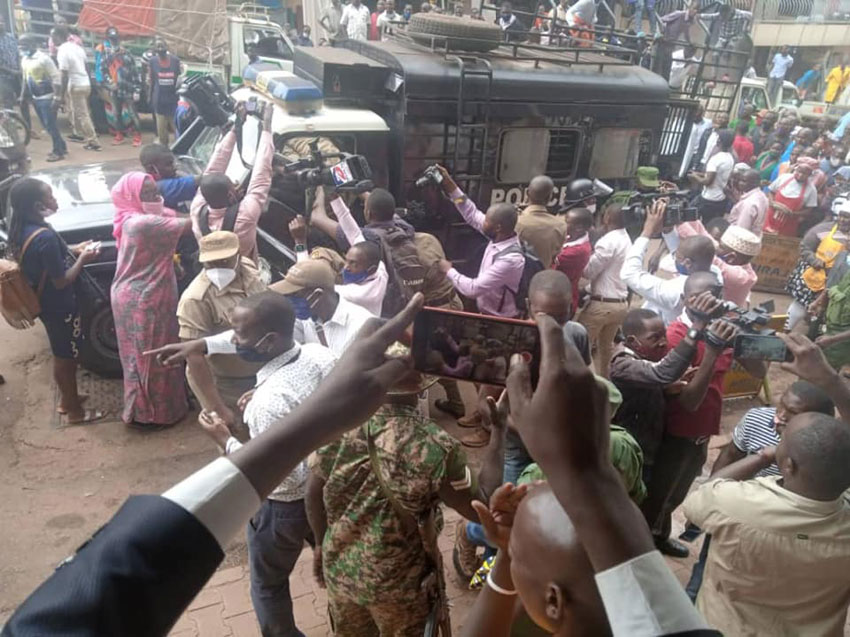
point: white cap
(741, 240)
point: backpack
(228, 223)
(406, 272)
(532, 265)
(19, 303)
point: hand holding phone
(472, 347)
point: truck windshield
(267, 43)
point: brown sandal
(89, 416)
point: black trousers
(677, 464)
(711, 209)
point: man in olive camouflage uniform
(373, 563)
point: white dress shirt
(369, 293)
(603, 269)
(339, 332)
(663, 296)
(356, 21)
(643, 598)
(282, 384)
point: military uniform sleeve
(458, 473)
(321, 461)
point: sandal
(62, 411)
(89, 416)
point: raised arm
(465, 206)
(353, 233)
(810, 364)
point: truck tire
(462, 34)
(98, 349)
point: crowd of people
(649, 379)
(326, 436)
(61, 78)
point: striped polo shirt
(755, 432)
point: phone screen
(760, 347)
(472, 347)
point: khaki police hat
(647, 177)
(218, 245)
(309, 274)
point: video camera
(678, 210)
(209, 98)
(432, 175)
(752, 321)
(351, 174)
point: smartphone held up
(472, 347)
(761, 347)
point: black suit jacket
(135, 576)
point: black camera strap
(228, 223)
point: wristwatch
(694, 334)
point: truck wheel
(463, 34)
(98, 349)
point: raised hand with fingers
(298, 230)
(498, 518)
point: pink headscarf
(126, 197)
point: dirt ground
(59, 484)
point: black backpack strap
(514, 249)
(228, 223)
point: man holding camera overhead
(218, 204)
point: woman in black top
(43, 264)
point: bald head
(750, 179)
(551, 571)
(500, 222)
(812, 456)
(698, 250)
(540, 190)
(550, 292)
(700, 282)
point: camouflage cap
(647, 177)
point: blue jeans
(650, 9)
(276, 536)
(47, 115)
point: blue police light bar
(291, 91)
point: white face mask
(221, 277)
(592, 207)
(835, 162)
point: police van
(448, 90)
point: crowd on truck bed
(581, 473)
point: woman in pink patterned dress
(144, 301)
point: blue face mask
(251, 355)
(351, 277)
(301, 306)
(406, 14)
(681, 268)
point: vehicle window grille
(563, 150)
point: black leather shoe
(672, 547)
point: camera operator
(502, 264)
(664, 296)
(691, 416)
(643, 366)
(218, 206)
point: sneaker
(79, 139)
(118, 139)
(464, 556)
(137, 140)
(91, 146)
(54, 157)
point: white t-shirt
(789, 187)
(721, 164)
(72, 58)
(356, 21)
(781, 64)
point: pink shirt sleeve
(468, 210)
(256, 196)
(218, 163)
(353, 233)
